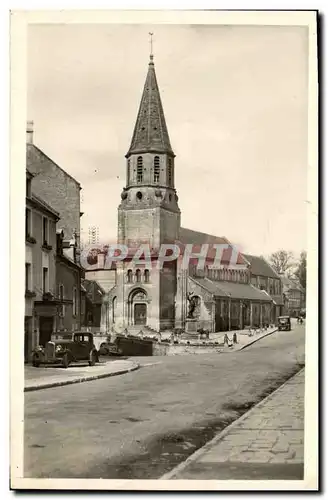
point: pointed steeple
(150, 131)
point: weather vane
(151, 44)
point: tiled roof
(40, 203)
(260, 267)
(197, 238)
(289, 283)
(233, 290)
(150, 132)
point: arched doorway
(138, 307)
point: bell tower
(149, 212)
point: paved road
(142, 424)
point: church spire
(150, 131)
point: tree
(300, 272)
(282, 261)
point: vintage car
(284, 323)
(109, 349)
(64, 352)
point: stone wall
(57, 188)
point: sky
(235, 102)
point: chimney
(29, 131)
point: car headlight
(58, 348)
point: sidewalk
(265, 443)
(215, 343)
(244, 338)
(45, 377)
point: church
(149, 298)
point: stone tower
(148, 214)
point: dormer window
(156, 169)
(139, 169)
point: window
(114, 308)
(27, 277)
(139, 169)
(129, 276)
(28, 222)
(61, 298)
(156, 169)
(74, 301)
(169, 172)
(45, 231)
(45, 283)
(146, 275)
(138, 275)
(28, 188)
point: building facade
(53, 184)
(52, 267)
(40, 270)
(294, 296)
(68, 286)
(264, 277)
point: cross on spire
(151, 45)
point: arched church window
(129, 276)
(156, 169)
(138, 275)
(139, 169)
(146, 275)
(169, 172)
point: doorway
(140, 314)
(46, 328)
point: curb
(201, 451)
(256, 340)
(80, 380)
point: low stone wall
(134, 346)
(165, 349)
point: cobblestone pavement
(269, 434)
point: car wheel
(93, 359)
(66, 360)
(36, 361)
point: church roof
(260, 267)
(198, 238)
(233, 290)
(150, 131)
(189, 236)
